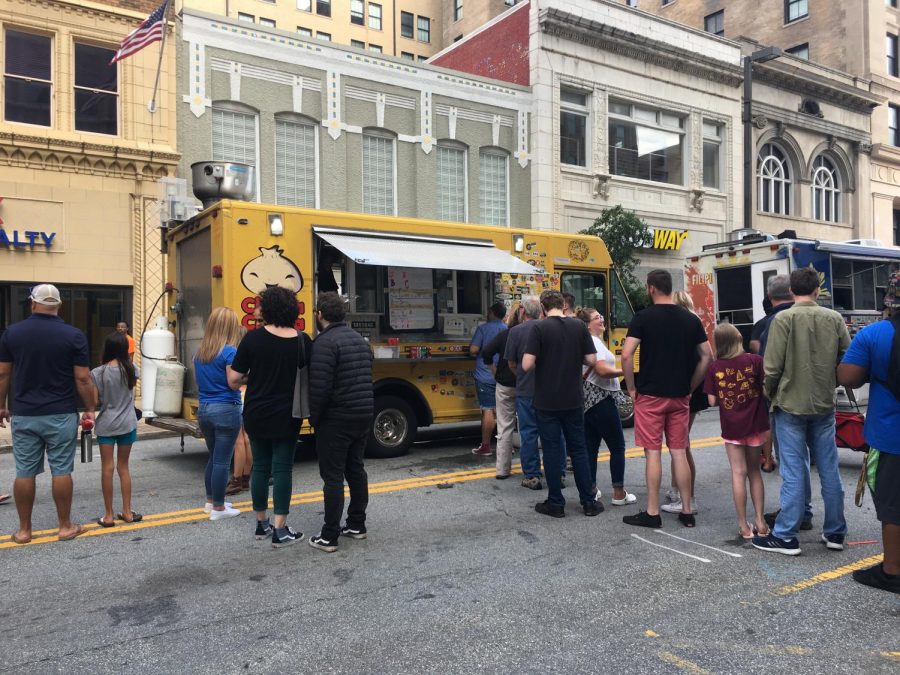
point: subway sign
(667, 240)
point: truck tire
(626, 411)
(393, 429)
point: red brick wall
(499, 52)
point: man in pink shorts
(674, 359)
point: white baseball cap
(46, 294)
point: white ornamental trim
(196, 98)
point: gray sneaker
(675, 507)
(533, 483)
(672, 496)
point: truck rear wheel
(393, 429)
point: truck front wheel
(393, 429)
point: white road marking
(674, 550)
(691, 541)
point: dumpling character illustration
(270, 269)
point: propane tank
(169, 388)
(157, 345)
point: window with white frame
(28, 81)
(494, 187)
(451, 171)
(374, 16)
(773, 180)
(234, 134)
(378, 174)
(96, 90)
(573, 127)
(646, 143)
(295, 161)
(826, 191)
(357, 12)
(712, 154)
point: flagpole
(151, 106)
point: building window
(378, 174)
(800, 51)
(96, 90)
(795, 9)
(422, 59)
(712, 155)
(326, 37)
(896, 227)
(457, 10)
(891, 3)
(234, 136)
(715, 23)
(773, 180)
(894, 125)
(28, 78)
(359, 44)
(407, 55)
(573, 127)
(631, 3)
(295, 162)
(892, 55)
(305, 32)
(646, 143)
(494, 188)
(268, 23)
(665, 2)
(375, 48)
(406, 24)
(323, 7)
(826, 191)
(374, 16)
(424, 29)
(451, 170)
(247, 18)
(304, 5)
(357, 12)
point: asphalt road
(459, 575)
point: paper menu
(410, 298)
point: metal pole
(746, 118)
(151, 106)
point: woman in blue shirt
(220, 406)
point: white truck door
(759, 277)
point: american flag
(147, 33)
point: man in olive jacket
(341, 404)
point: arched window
(826, 191)
(773, 180)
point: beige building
(461, 17)
(80, 160)
(859, 37)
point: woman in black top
(267, 361)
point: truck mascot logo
(268, 270)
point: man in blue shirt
(869, 360)
(48, 361)
(485, 385)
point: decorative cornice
(798, 81)
(765, 113)
(559, 23)
(113, 15)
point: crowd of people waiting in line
(542, 368)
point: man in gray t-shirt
(515, 349)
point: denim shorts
(487, 395)
(120, 440)
(34, 435)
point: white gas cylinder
(169, 388)
(157, 345)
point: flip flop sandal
(103, 523)
(20, 542)
(135, 517)
(4, 499)
(752, 532)
(69, 537)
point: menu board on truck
(410, 298)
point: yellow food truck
(417, 290)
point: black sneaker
(548, 509)
(643, 519)
(286, 539)
(772, 543)
(358, 532)
(876, 577)
(772, 517)
(323, 544)
(263, 531)
(594, 508)
(834, 542)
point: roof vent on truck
(741, 237)
(214, 181)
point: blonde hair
(222, 329)
(682, 299)
(729, 341)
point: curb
(6, 446)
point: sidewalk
(145, 431)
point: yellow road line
(681, 663)
(190, 515)
(828, 575)
(891, 655)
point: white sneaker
(672, 496)
(675, 507)
(208, 507)
(227, 512)
(627, 499)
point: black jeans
(340, 446)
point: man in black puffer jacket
(341, 403)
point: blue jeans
(220, 424)
(553, 425)
(528, 432)
(602, 423)
(807, 487)
(798, 436)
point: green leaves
(624, 235)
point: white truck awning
(403, 250)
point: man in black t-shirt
(556, 349)
(674, 359)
